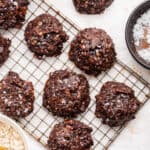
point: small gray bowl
(129, 32)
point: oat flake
(9, 138)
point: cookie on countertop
(16, 96)
(92, 51)
(66, 94)
(70, 135)
(45, 36)
(12, 13)
(4, 49)
(91, 6)
(116, 104)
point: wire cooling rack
(40, 122)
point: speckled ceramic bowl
(13, 124)
(129, 32)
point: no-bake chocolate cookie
(66, 93)
(4, 49)
(91, 6)
(116, 104)
(45, 36)
(16, 96)
(92, 51)
(70, 135)
(12, 13)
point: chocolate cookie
(16, 96)
(92, 51)
(4, 49)
(91, 6)
(12, 13)
(66, 94)
(45, 36)
(70, 135)
(116, 104)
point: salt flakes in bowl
(137, 34)
(141, 36)
(145, 54)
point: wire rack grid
(40, 122)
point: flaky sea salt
(141, 35)
(145, 53)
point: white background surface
(137, 135)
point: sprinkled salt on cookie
(70, 135)
(16, 96)
(66, 93)
(93, 51)
(12, 13)
(92, 6)
(116, 104)
(45, 36)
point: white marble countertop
(137, 135)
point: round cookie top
(70, 135)
(92, 51)
(116, 104)
(16, 96)
(91, 6)
(12, 13)
(45, 36)
(4, 49)
(66, 94)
